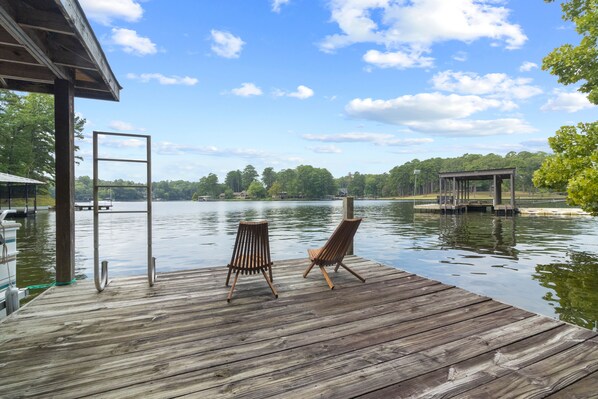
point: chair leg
(230, 293)
(270, 284)
(271, 278)
(309, 269)
(350, 271)
(228, 276)
(336, 268)
(327, 277)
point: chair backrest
(252, 247)
(336, 247)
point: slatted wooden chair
(333, 252)
(251, 254)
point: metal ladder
(101, 274)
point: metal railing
(101, 274)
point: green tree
(27, 134)
(208, 185)
(268, 177)
(573, 64)
(256, 190)
(233, 180)
(574, 165)
(275, 190)
(248, 175)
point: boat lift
(101, 273)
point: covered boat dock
(455, 190)
(12, 187)
(48, 46)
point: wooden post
(348, 214)
(513, 193)
(65, 180)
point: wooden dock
(397, 335)
(88, 206)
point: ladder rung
(122, 212)
(122, 186)
(121, 160)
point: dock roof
(45, 40)
(487, 174)
(6, 178)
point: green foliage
(256, 190)
(574, 165)
(248, 175)
(268, 177)
(208, 185)
(27, 135)
(233, 181)
(573, 64)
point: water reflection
(573, 288)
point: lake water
(547, 265)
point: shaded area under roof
(45, 40)
(6, 178)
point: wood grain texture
(397, 335)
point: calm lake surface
(547, 265)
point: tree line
(27, 135)
(309, 182)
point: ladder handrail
(101, 274)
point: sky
(346, 85)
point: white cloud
(164, 80)
(492, 84)
(567, 101)
(412, 27)
(302, 93)
(460, 56)
(104, 11)
(419, 107)
(381, 139)
(328, 149)
(168, 148)
(132, 42)
(125, 126)
(247, 90)
(466, 127)
(397, 59)
(528, 66)
(277, 3)
(226, 45)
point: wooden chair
(333, 252)
(251, 254)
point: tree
(578, 63)
(27, 134)
(248, 176)
(233, 180)
(208, 185)
(256, 190)
(574, 165)
(268, 177)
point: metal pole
(151, 266)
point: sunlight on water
(547, 265)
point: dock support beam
(64, 120)
(348, 214)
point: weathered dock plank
(398, 334)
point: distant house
(241, 195)
(281, 195)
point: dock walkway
(397, 335)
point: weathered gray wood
(397, 333)
(582, 389)
(461, 377)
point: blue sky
(349, 85)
